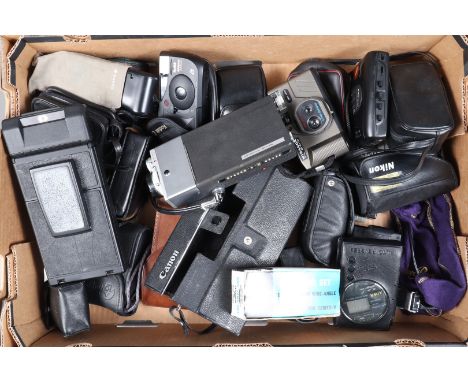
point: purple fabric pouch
(431, 263)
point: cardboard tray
(21, 316)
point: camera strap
(178, 315)
(217, 198)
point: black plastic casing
(58, 137)
(238, 145)
(140, 93)
(369, 99)
(249, 229)
(197, 70)
(373, 260)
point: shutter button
(180, 93)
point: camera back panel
(65, 193)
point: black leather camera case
(326, 219)
(69, 308)
(127, 180)
(239, 83)
(419, 107)
(436, 176)
(121, 293)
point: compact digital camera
(185, 85)
(307, 111)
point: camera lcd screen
(358, 306)
(58, 194)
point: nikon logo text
(382, 167)
(169, 265)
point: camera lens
(180, 93)
(314, 122)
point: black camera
(307, 111)
(370, 270)
(248, 229)
(369, 99)
(67, 199)
(187, 89)
(219, 154)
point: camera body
(369, 99)
(66, 196)
(185, 88)
(307, 111)
(195, 266)
(370, 270)
(219, 154)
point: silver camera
(305, 108)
